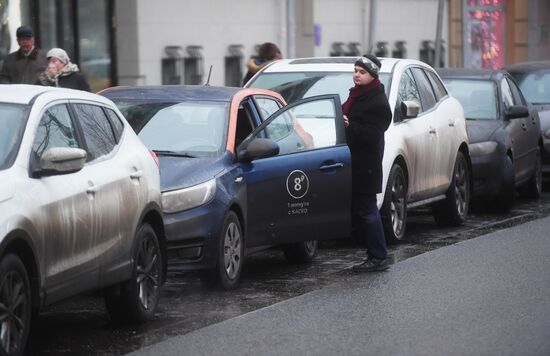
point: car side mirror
(516, 112)
(409, 109)
(257, 148)
(61, 160)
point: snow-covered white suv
(80, 208)
(426, 159)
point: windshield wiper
(173, 153)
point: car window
(266, 106)
(299, 85)
(311, 125)
(425, 89)
(196, 128)
(55, 129)
(478, 97)
(408, 89)
(438, 87)
(507, 96)
(535, 86)
(118, 126)
(13, 119)
(516, 94)
(98, 132)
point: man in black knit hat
(24, 65)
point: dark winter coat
(70, 78)
(21, 69)
(369, 117)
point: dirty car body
(78, 188)
(533, 79)
(239, 171)
(505, 137)
(426, 160)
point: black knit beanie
(370, 63)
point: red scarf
(356, 92)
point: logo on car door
(297, 184)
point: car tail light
(155, 158)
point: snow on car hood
(183, 172)
(482, 130)
(7, 188)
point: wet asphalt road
(81, 326)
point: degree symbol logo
(297, 184)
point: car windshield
(535, 86)
(13, 119)
(181, 128)
(294, 86)
(477, 97)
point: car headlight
(482, 148)
(188, 198)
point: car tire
(533, 188)
(506, 197)
(137, 299)
(453, 210)
(394, 207)
(229, 266)
(301, 252)
(15, 298)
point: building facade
(129, 42)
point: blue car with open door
(241, 170)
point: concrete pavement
(485, 296)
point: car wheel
(137, 299)
(230, 256)
(15, 306)
(301, 252)
(505, 199)
(533, 188)
(454, 209)
(394, 207)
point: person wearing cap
(367, 115)
(267, 53)
(24, 65)
(61, 72)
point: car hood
(183, 172)
(7, 188)
(482, 130)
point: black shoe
(372, 265)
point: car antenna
(208, 80)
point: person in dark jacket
(62, 73)
(267, 53)
(367, 115)
(24, 65)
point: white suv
(426, 158)
(80, 208)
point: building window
(484, 33)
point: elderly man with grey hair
(24, 65)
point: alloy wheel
(13, 311)
(148, 273)
(232, 250)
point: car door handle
(452, 123)
(327, 167)
(432, 130)
(524, 126)
(136, 174)
(92, 189)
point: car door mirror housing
(409, 109)
(257, 148)
(517, 112)
(61, 160)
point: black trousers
(367, 223)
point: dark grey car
(505, 136)
(533, 79)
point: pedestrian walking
(267, 53)
(61, 72)
(367, 115)
(24, 65)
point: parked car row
(108, 192)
